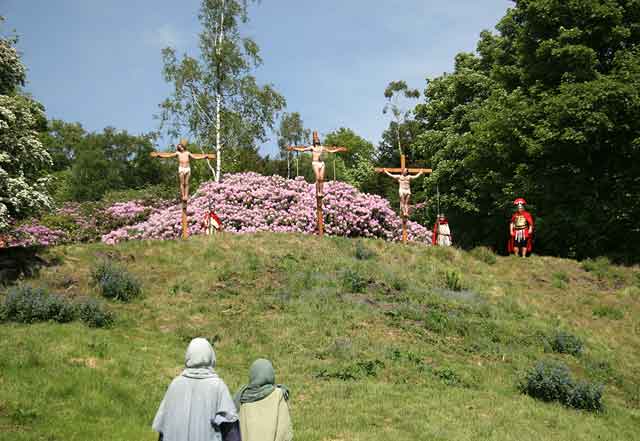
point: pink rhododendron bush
(76, 222)
(249, 202)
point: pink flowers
(34, 234)
(126, 210)
(249, 202)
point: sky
(98, 62)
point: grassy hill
(376, 341)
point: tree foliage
(215, 96)
(547, 109)
(291, 132)
(24, 163)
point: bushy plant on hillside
(552, 381)
(115, 282)
(94, 314)
(25, 304)
(484, 254)
(86, 222)
(563, 342)
(249, 202)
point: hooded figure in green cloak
(264, 412)
(197, 405)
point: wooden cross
(184, 173)
(319, 169)
(404, 177)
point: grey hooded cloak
(197, 402)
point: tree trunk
(288, 165)
(219, 97)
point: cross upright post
(404, 176)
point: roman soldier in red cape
(521, 230)
(441, 232)
(212, 223)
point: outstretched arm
(415, 176)
(335, 149)
(163, 154)
(391, 176)
(202, 155)
(301, 148)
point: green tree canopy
(547, 109)
(215, 95)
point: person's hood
(199, 360)
(261, 373)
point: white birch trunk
(219, 99)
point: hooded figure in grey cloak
(197, 403)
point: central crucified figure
(184, 167)
(404, 181)
(316, 160)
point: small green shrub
(606, 311)
(450, 378)
(453, 281)
(25, 304)
(560, 280)
(115, 282)
(565, 343)
(94, 314)
(353, 281)
(552, 381)
(604, 271)
(363, 252)
(356, 371)
(484, 254)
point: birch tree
(216, 98)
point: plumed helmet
(520, 201)
(316, 138)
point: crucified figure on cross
(404, 177)
(316, 159)
(184, 167)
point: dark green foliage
(25, 304)
(356, 371)
(565, 343)
(115, 282)
(484, 254)
(449, 377)
(94, 314)
(546, 109)
(363, 252)
(609, 312)
(354, 281)
(552, 381)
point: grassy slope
(450, 359)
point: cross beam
(402, 168)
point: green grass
(376, 341)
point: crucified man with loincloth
(404, 181)
(316, 160)
(184, 168)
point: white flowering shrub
(24, 161)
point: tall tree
(291, 132)
(216, 98)
(548, 109)
(24, 162)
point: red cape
(529, 237)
